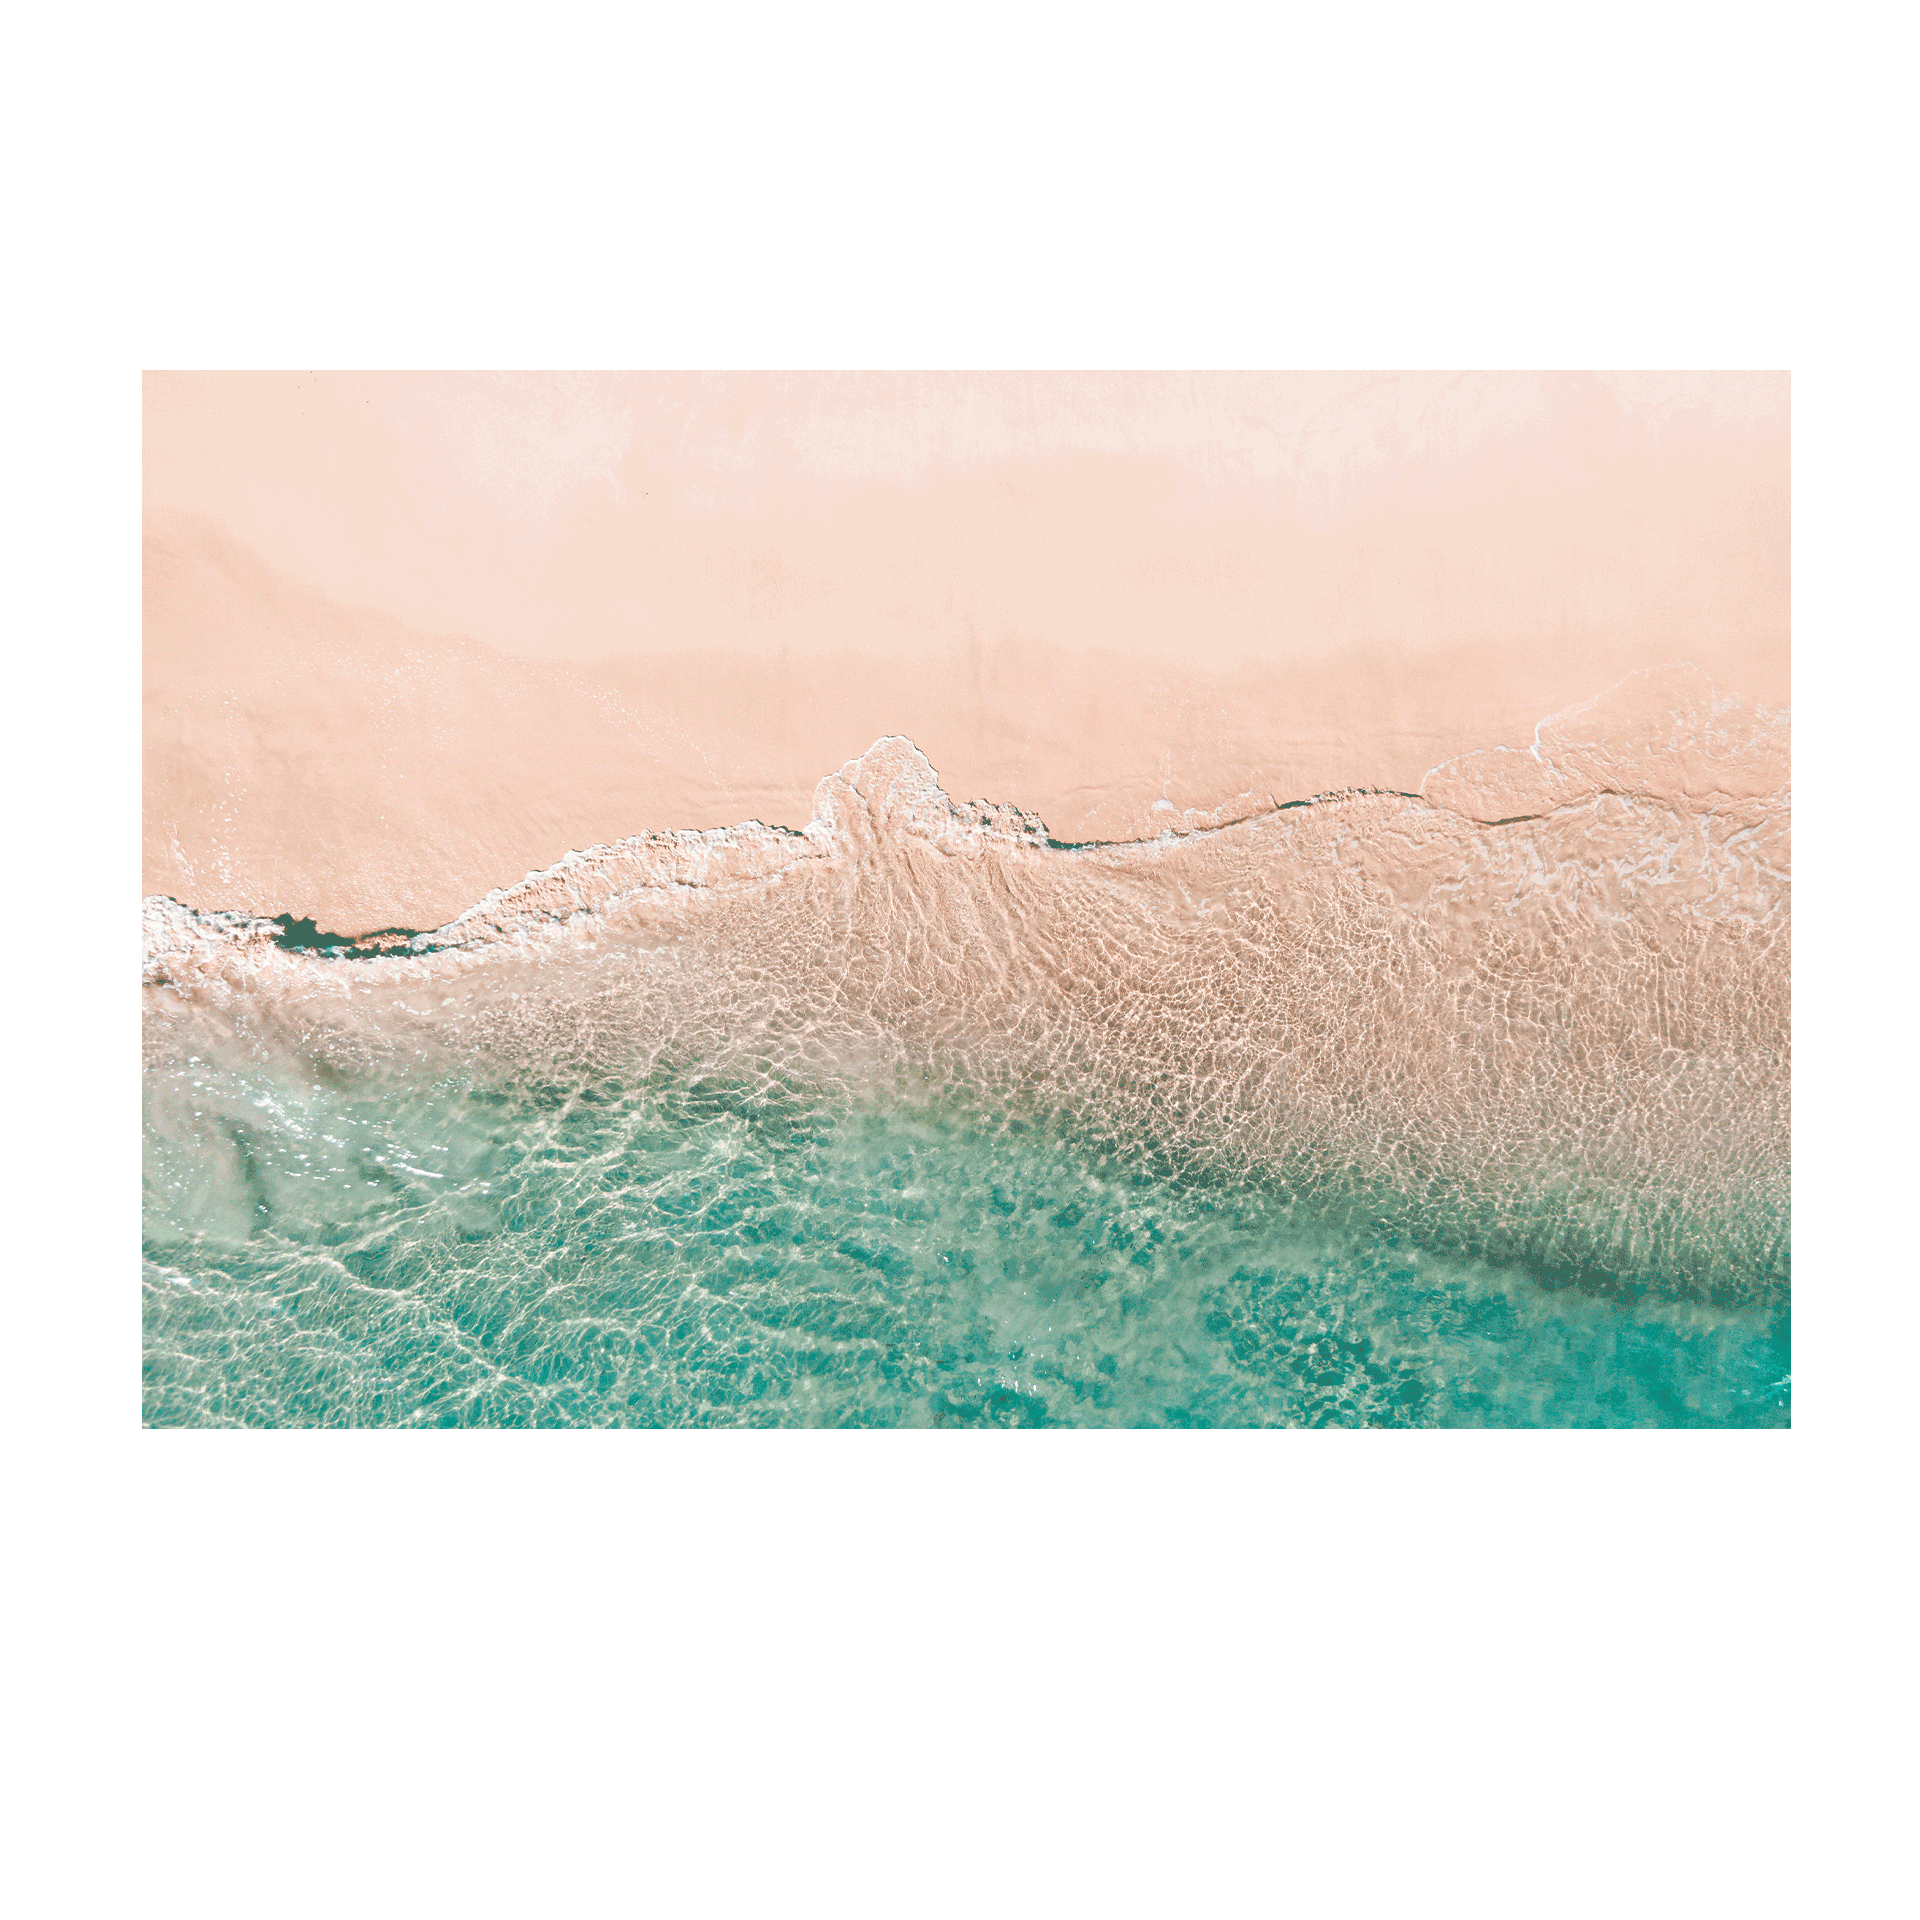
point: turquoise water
(439, 1245)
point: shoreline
(308, 761)
(1569, 1027)
(1668, 736)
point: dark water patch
(303, 936)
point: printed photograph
(966, 900)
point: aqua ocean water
(678, 1250)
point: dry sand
(411, 636)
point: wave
(1666, 737)
(1535, 1013)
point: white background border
(1332, 1674)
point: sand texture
(410, 638)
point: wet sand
(1556, 1036)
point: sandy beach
(409, 637)
(1364, 999)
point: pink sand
(411, 636)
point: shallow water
(678, 1250)
(1385, 1110)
